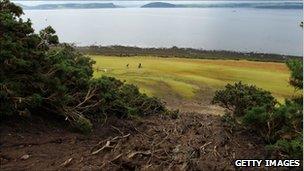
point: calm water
(238, 29)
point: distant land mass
(166, 4)
(71, 6)
(159, 5)
(266, 5)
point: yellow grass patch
(184, 77)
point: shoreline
(128, 51)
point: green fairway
(193, 78)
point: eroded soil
(191, 141)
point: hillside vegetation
(177, 52)
(47, 87)
(39, 76)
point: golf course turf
(189, 78)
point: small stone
(24, 157)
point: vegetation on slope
(42, 77)
(280, 125)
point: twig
(131, 155)
(105, 146)
(215, 152)
(162, 140)
(141, 132)
(117, 130)
(120, 137)
(203, 146)
(115, 158)
(66, 163)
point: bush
(238, 98)
(229, 121)
(290, 148)
(284, 121)
(280, 126)
(296, 77)
(124, 100)
(39, 75)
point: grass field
(194, 78)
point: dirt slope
(190, 142)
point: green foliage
(296, 68)
(83, 125)
(48, 34)
(279, 125)
(124, 100)
(283, 121)
(290, 148)
(229, 121)
(39, 75)
(239, 98)
(282, 127)
(175, 52)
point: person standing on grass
(139, 66)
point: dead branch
(120, 137)
(203, 146)
(107, 145)
(117, 130)
(131, 155)
(66, 163)
(215, 152)
(141, 132)
(115, 158)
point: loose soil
(191, 141)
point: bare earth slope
(189, 142)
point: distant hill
(71, 6)
(159, 5)
(223, 4)
(260, 4)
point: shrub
(123, 100)
(284, 121)
(280, 126)
(39, 75)
(292, 148)
(296, 77)
(238, 98)
(229, 121)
